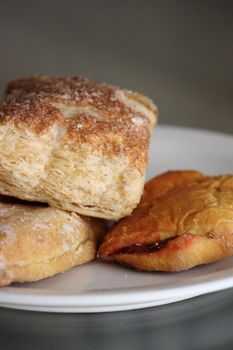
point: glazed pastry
(38, 241)
(75, 144)
(184, 219)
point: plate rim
(137, 294)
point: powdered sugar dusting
(66, 246)
(68, 237)
(41, 226)
(8, 232)
(137, 121)
(58, 132)
(79, 125)
(67, 228)
(3, 211)
(45, 100)
(87, 111)
(2, 264)
(119, 94)
(3, 268)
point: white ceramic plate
(97, 287)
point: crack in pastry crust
(147, 248)
(184, 219)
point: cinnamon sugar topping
(88, 112)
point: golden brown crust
(114, 105)
(38, 241)
(97, 114)
(90, 112)
(184, 219)
(76, 131)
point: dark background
(178, 52)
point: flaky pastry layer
(75, 144)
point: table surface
(200, 323)
(179, 53)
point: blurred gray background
(180, 53)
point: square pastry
(75, 144)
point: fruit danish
(184, 219)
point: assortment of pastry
(73, 153)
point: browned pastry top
(98, 114)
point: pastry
(184, 219)
(37, 241)
(75, 144)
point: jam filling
(149, 248)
